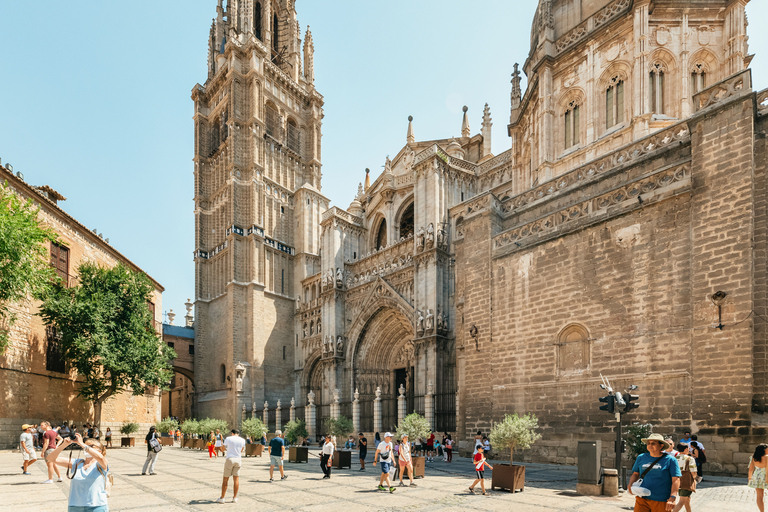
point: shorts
(29, 456)
(386, 466)
(275, 460)
(363, 454)
(232, 467)
(403, 462)
(47, 453)
(684, 494)
(480, 475)
(645, 505)
(100, 508)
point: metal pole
(618, 446)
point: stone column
(457, 411)
(377, 411)
(266, 414)
(242, 419)
(356, 412)
(278, 416)
(335, 407)
(309, 415)
(253, 410)
(429, 406)
(293, 409)
(401, 405)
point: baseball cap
(388, 434)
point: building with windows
(37, 383)
(469, 284)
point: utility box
(589, 462)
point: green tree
(253, 428)
(108, 334)
(339, 427)
(24, 258)
(515, 432)
(415, 426)
(634, 437)
(167, 425)
(294, 430)
(189, 427)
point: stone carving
(442, 322)
(430, 235)
(319, 327)
(325, 345)
(388, 166)
(430, 322)
(420, 239)
(339, 278)
(419, 322)
(401, 390)
(293, 403)
(662, 36)
(734, 85)
(408, 160)
(253, 410)
(378, 393)
(339, 346)
(442, 239)
(239, 376)
(357, 395)
(430, 388)
(336, 396)
(311, 397)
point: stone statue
(339, 277)
(239, 376)
(442, 238)
(419, 321)
(340, 345)
(306, 331)
(430, 323)
(293, 402)
(253, 410)
(388, 165)
(319, 327)
(325, 345)
(430, 235)
(420, 239)
(336, 396)
(440, 321)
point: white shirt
(385, 451)
(234, 445)
(328, 449)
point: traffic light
(609, 403)
(631, 402)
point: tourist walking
(27, 446)
(211, 452)
(687, 478)
(234, 446)
(384, 452)
(277, 455)
(88, 483)
(363, 444)
(218, 441)
(404, 461)
(376, 439)
(431, 447)
(699, 454)
(152, 444)
(756, 474)
(326, 457)
(108, 437)
(448, 449)
(486, 447)
(50, 441)
(480, 463)
(659, 474)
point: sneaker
(362, 469)
(382, 488)
(485, 493)
(413, 485)
(26, 473)
(220, 500)
(271, 479)
(60, 480)
(48, 481)
(391, 490)
(402, 484)
(471, 490)
(143, 473)
(283, 477)
(234, 500)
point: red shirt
(479, 462)
(431, 440)
(51, 436)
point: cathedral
(622, 233)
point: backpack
(155, 444)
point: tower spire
(367, 178)
(516, 92)
(411, 138)
(309, 57)
(465, 131)
(486, 130)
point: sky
(95, 101)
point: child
(438, 448)
(479, 462)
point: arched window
(572, 125)
(215, 141)
(656, 90)
(311, 328)
(257, 21)
(381, 236)
(698, 78)
(275, 42)
(294, 137)
(224, 127)
(223, 374)
(406, 222)
(573, 348)
(614, 102)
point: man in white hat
(385, 452)
(27, 445)
(658, 473)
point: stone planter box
(508, 477)
(419, 463)
(200, 444)
(187, 443)
(342, 459)
(166, 441)
(254, 450)
(128, 441)
(298, 454)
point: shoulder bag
(687, 481)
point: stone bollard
(610, 482)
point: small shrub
(294, 430)
(634, 435)
(129, 428)
(414, 426)
(340, 427)
(515, 432)
(167, 425)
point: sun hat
(659, 438)
(26, 426)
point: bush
(515, 432)
(167, 425)
(414, 426)
(190, 427)
(294, 430)
(634, 435)
(340, 427)
(211, 424)
(253, 428)
(129, 428)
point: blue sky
(95, 100)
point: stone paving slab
(188, 481)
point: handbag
(687, 481)
(108, 480)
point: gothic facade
(470, 284)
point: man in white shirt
(326, 459)
(234, 445)
(385, 452)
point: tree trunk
(97, 406)
(511, 456)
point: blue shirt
(276, 446)
(659, 478)
(87, 488)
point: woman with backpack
(90, 480)
(756, 473)
(152, 441)
(688, 479)
(698, 453)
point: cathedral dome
(355, 208)
(455, 150)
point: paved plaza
(187, 481)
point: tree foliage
(107, 332)
(294, 430)
(414, 426)
(515, 432)
(634, 436)
(253, 428)
(25, 271)
(208, 425)
(167, 425)
(190, 426)
(129, 428)
(340, 427)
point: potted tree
(189, 428)
(295, 431)
(253, 428)
(415, 426)
(166, 428)
(513, 432)
(127, 429)
(340, 427)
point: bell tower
(258, 126)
